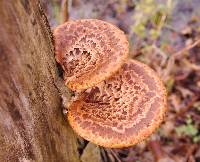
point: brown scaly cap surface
(122, 110)
(89, 51)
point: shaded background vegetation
(166, 36)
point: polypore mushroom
(89, 51)
(122, 110)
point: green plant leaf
(189, 130)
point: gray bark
(32, 127)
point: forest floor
(166, 36)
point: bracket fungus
(122, 110)
(119, 102)
(89, 51)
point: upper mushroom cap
(122, 110)
(89, 51)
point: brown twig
(156, 149)
(110, 155)
(160, 52)
(169, 68)
(104, 155)
(187, 48)
(190, 65)
(173, 57)
(114, 154)
(65, 11)
(190, 151)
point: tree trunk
(32, 127)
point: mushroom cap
(121, 111)
(89, 51)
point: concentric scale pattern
(89, 51)
(122, 110)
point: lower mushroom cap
(122, 110)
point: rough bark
(32, 127)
